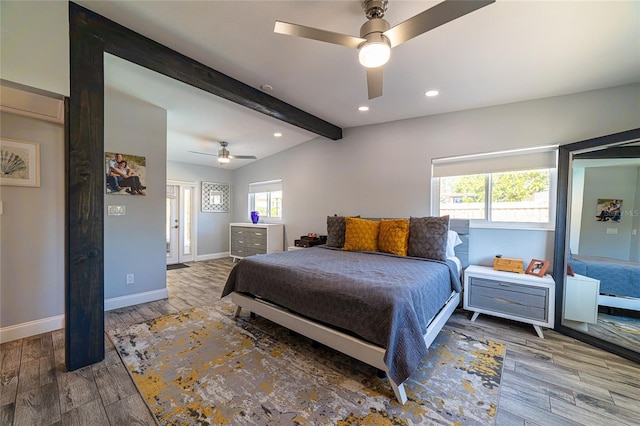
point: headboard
(461, 226)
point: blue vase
(255, 217)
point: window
(266, 199)
(512, 187)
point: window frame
(269, 190)
(487, 222)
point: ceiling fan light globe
(374, 54)
(223, 160)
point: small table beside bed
(378, 306)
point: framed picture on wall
(215, 197)
(125, 174)
(608, 209)
(19, 163)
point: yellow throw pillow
(361, 235)
(394, 236)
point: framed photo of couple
(125, 174)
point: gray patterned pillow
(428, 237)
(336, 228)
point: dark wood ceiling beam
(134, 47)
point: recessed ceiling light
(432, 93)
(266, 87)
(277, 134)
(249, 146)
(363, 108)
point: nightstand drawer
(508, 305)
(509, 298)
(507, 286)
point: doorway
(180, 223)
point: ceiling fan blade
(204, 153)
(432, 18)
(374, 82)
(243, 157)
(287, 28)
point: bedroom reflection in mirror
(602, 290)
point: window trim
(487, 222)
(268, 184)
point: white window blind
(266, 186)
(544, 157)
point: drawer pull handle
(259, 234)
(499, 299)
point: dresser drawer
(239, 251)
(241, 232)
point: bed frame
(354, 347)
(342, 342)
(624, 302)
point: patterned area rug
(201, 366)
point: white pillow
(453, 240)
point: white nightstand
(581, 301)
(520, 297)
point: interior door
(180, 225)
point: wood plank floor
(551, 381)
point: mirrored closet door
(597, 249)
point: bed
(379, 308)
(619, 279)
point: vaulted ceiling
(509, 51)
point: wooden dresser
(248, 239)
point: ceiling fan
(223, 155)
(377, 37)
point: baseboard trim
(212, 256)
(31, 328)
(45, 325)
(135, 299)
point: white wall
(634, 215)
(135, 243)
(34, 44)
(602, 183)
(32, 234)
(213, 228)
(384, 170)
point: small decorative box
(508, 264)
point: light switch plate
(612, 231)
(115, 210)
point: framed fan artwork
(19, 163)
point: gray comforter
(384, 299)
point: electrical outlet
(129, 278)
(116, 211)
(612, 231)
